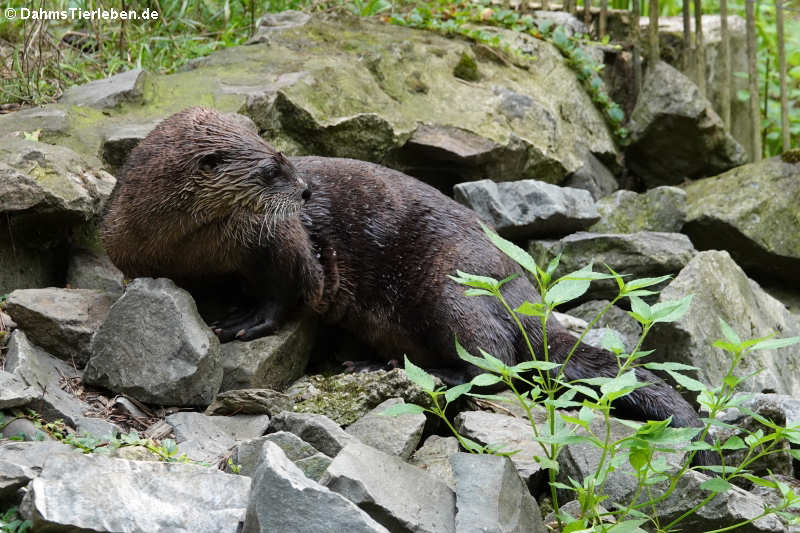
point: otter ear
(208, 163)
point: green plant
(540, 383)
(10, 521)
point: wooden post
(637, 59)
(587, 12)
(782, 73)
(655, 53)
(725, 72)
(603, 18)
(700, 51)
(752, 75)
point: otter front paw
(247, 325)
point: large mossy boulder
(339, 85)
(753, 212)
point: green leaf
(760, 481)
(641, 283)
(417, 375)
(477, 292)
(612, 342)
(512, 250)
(640, 309)
(485, 380)
(772, 344)
(531, 309)
(535, 365)
(453, 393)
(686, 381)
(671, 311)
(716, 484)
(402, 409)
(477, 361)
(743, 95)
(565, 290)
(627, 526)
(473, 280)
(619, 383)
(669, 366)
(734, 443)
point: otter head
(219, 166)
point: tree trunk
(782, 74)
(655, 53)
(587, 12)
(752, 75)
(637, 59)
(688, 47)
(603, 18)
(725, 72)
(700, 51)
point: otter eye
(208, 163)
(270, 173)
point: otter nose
(306, 195)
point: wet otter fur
(370, 250)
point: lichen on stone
(467, 68)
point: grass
(39, 60)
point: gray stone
(491, 498)
(14, 392)
(641, 254)
(434, 458)
(73, 186)
(347, 397)
(109, 92)
(248, 454)
(95, 493)
(272, 22)
(528, 208)
(62, 321)
(658, 209)
(399, 496)
(271, 362)
(96, 427)
(395, 435)
(51, 121)
(283, 499)
(567, 21)
(118, 143)
(594, 177)
(20, 462)
(723, 291)
(615, 318)
(249, 402)
(509, 434)
(725, 509)
(208, 438)
(752, 213)
(155, 347)
(675, 132)
(22, 428)
(93, 270)
(318, 430)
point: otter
(366, 247)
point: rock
(249, 402)
(615, 318)
(726, 509)
(271, 362)
(208, 438)
(676, 134)
(272, 22)
(248, 454)
(399, 496)
(641, 254)
(20, 462)
(96, 427)
(593, 176)
(434, 457)
(117, 144)
(722, 290)
(62, 321)
(22, 429)
(752, 213)
(51, 121)
(347, 397)
(528, 208)
(45, 374)
(78, 492)
(659, 209)
(673, 52)
(490, 496)
(90, 270)
(109, 92)
(155, 347)
(508, 433)
(49, 179)
(395, 435)
(579, 460)
(283, 499)
(320, 431)
(14, 392)
(567, 21)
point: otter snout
(306, 194)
